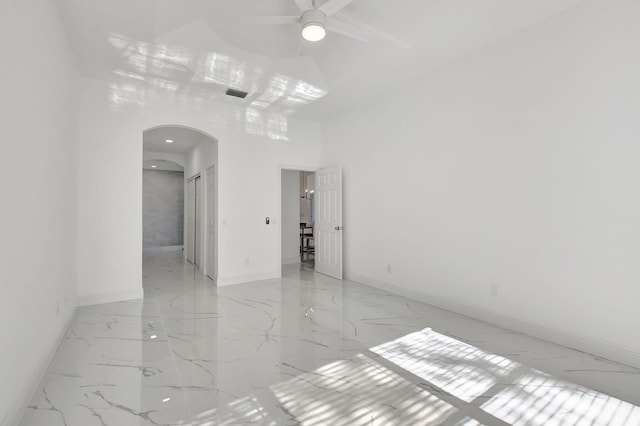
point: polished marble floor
(308, 349)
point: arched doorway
(197, 153)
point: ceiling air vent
(236, 93)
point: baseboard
(162, 249)
(99, 299)
(290, 260)
(239, 279)
(574, 341)
(16, 412)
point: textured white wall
(516, 167)
(38, 105)
(290, 216)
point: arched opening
(180, 196)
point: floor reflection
(308, 349)
(357, 391)
(428, 368)
(516, 394)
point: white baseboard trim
(99, 299)
(162, 249)
(290, 260)
(20, 404)
(571, 340)
(239, 279)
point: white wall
(249, 182)
(38, 104)
(290, 212)
(201, 157)
(110, 199)
(110, 236)
(515, 167)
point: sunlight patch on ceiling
(150, 73)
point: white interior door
(198, 222)
(191, 220)
(328, 221)
(210, 250)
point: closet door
(189, 244)
(211, 228)
(198, 207)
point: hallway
(308, 349)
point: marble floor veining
(308, 349)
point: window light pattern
(538, 398)
(505, 389)
(358, 391)
(455, 367)
(425, 378)
(150, 72)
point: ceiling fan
(316, 21)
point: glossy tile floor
(308, 349)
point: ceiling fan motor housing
(313, 17)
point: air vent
(236, 93)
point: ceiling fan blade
(304, 4)
(348, 30)
(300, 46)
(272, 20)
(334, 6)
(378, 33)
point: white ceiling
(162, 165)
(183, 140)
(198, 48)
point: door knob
(337, 228)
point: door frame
(199, 197)
(211, 170)
(280, 168)
(186, 215)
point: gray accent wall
(162, 208)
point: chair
(309, 237)
(302, 226)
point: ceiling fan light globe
(313, 31)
